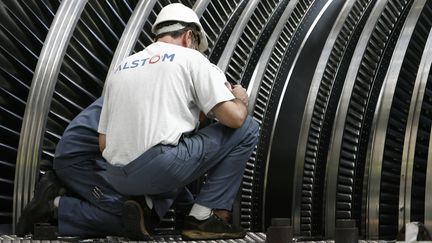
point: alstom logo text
(141, 62)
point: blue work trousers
(162, 173)
(95, 209)
(217, 150)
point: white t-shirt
(154, 96)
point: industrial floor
(250, 237)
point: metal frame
(39, 99)
(236, 34)
(337, 133)
(261, 66)
(411, 136)
(428, 189)
(260, 71)
(380, 122)
(70, 11)
(290, 72)
(200, 6)
(266, 54)
(309, 107)
(240, 58)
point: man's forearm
(242, 108)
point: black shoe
(152, 219)
(213, 228)
(41, 208)
(137, 221)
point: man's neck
(170, 40)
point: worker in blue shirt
(91, 208)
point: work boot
(41, 208)
(223, 214)
(151, 221)
(213, 228)
(137, 220)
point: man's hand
(240, 93)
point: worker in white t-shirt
(148, 130)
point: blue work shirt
(80, 140)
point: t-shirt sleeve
(209, 82)
(103, 121)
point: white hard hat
(179, 13)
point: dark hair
(175, 34)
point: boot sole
(133, 220)
(203, 235)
